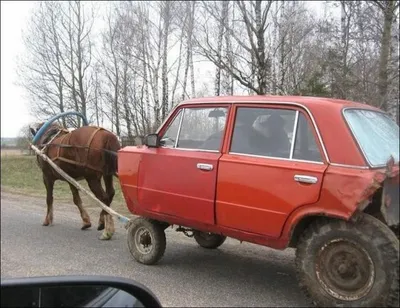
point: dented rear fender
(386, 183)
(390, 200)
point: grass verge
(20, 174)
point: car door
(179, 178)
(274, 164)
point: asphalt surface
(236, 274)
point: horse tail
(110, 155)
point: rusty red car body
(339, 206)
(160, 183)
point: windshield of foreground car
(376, 133)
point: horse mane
(53, 129)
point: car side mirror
(152, 141)
(75, 291)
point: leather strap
(90, 142)
(85, 164)
(59, 148)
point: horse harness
(65, 138)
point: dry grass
(12, 152)
(20, 174)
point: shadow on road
(239, 266)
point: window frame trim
(295, 126)
(179, 128)
(182, 108)
(278, 158)
(174, 114)
(286, 106)
(233, 105)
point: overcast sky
(14, 107)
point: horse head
(52, 129)
(35, 128)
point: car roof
(309, 102)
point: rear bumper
(384, 192)
(389, 181)
(390, 200)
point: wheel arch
(301, 218)
(301, 226)
(373, 207)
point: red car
(317, 174)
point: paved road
(234, 275)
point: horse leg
(98, 191)
(108, 181)
(78, 202)
(109, 229)
(49, 184)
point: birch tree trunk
(164, 74)
(387, 8)
(190, 48)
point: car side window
(263, 131)
(202, 128)
(305, 146)
(171, 134)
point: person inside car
(245, 138)
(276, 138)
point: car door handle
(305, 179)
(205, 167)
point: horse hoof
(86, 226)
(46, 223)
(105, 236)
(100, 227)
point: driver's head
(35, 128)
(273, 125)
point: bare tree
(189, 26)
(58, 44)
(146, 55)
(40, 72)
(227, 79)
(253, 19)
(166, 15)
(112, 70)
(24, 138)
(292, 36)
(222, 27)
(77, 26)
(388, 10)
(180, 55)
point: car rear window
(376, 133)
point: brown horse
(88, 153)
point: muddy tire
(146, 240)
(349, 264)
(208, 240)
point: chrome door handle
(305, 179)
(206, 167)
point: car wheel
(208, 240)
(353, 264)
(146, 240)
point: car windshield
(376, 134)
